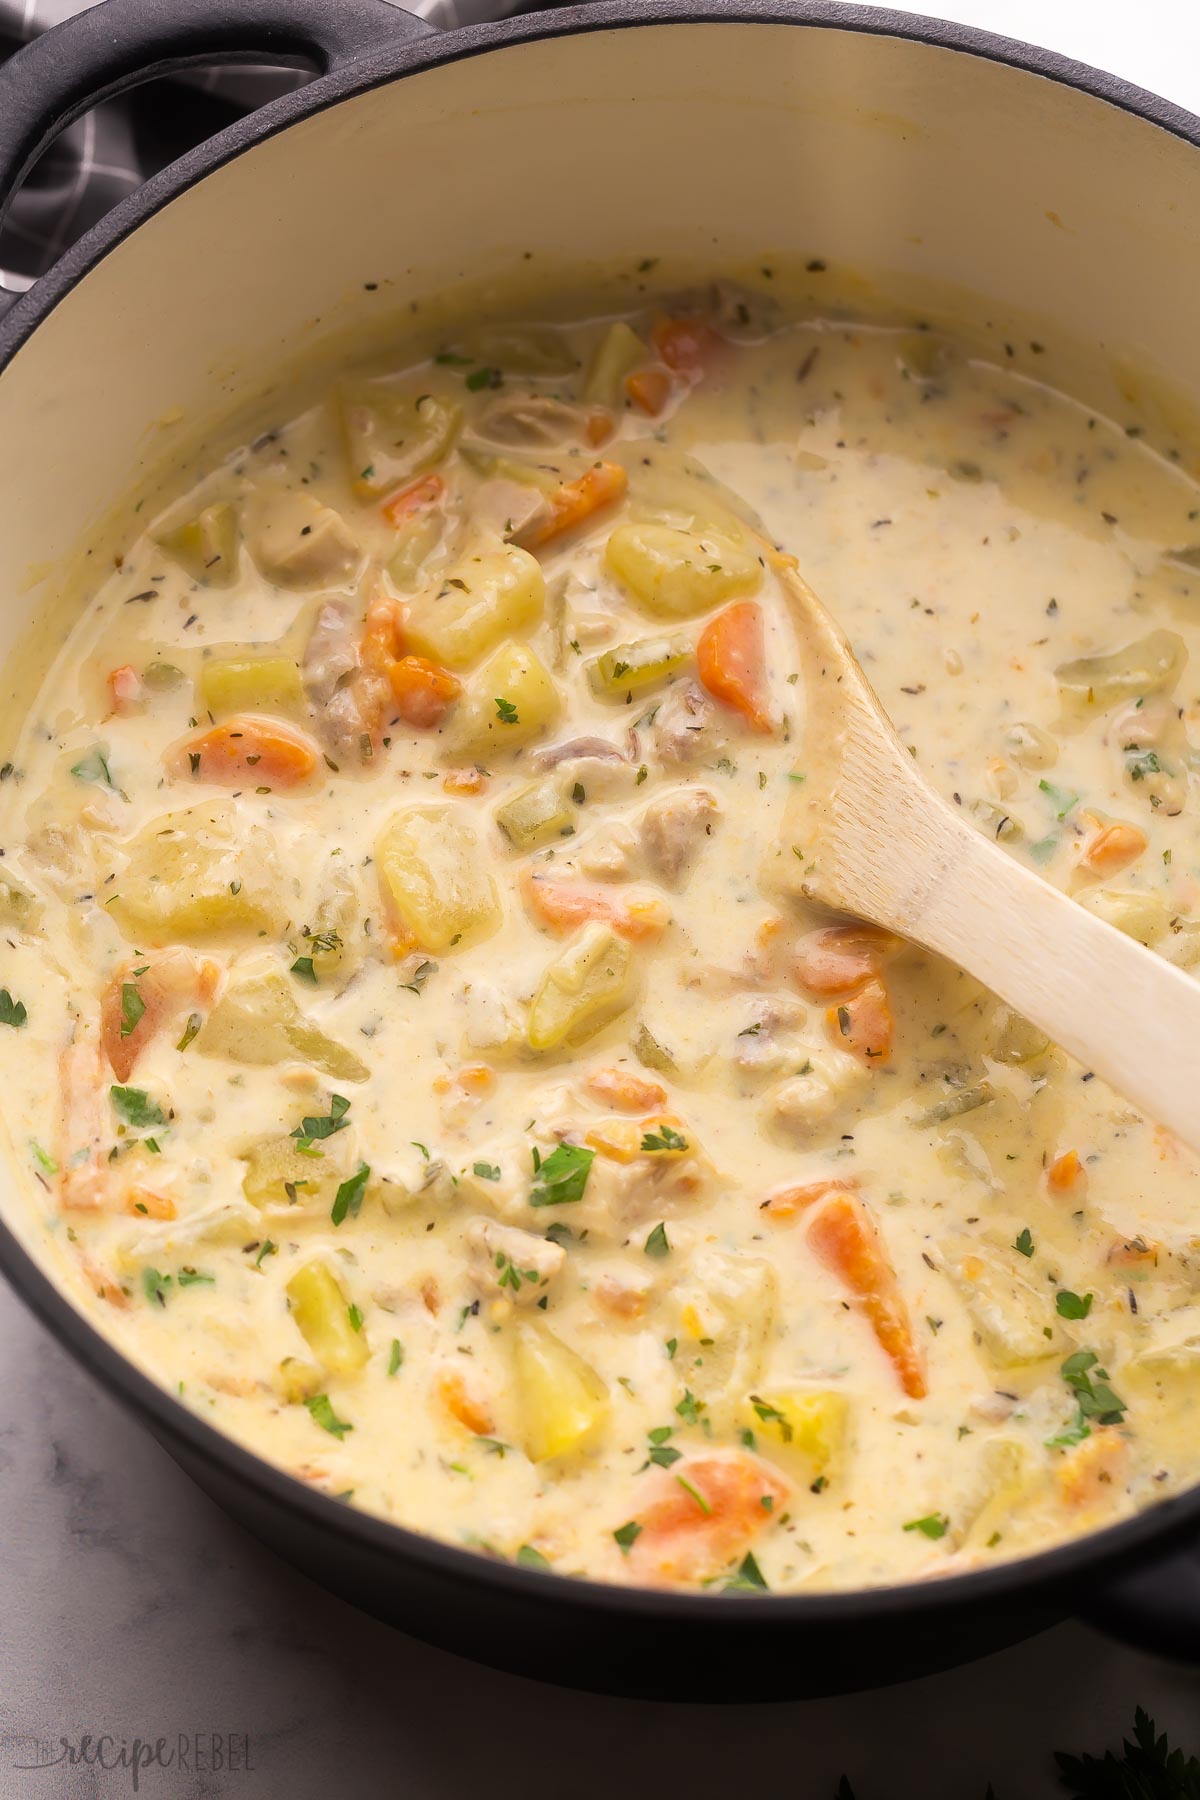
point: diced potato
(806, 1426)
(1008, 1475)
(196, 874)
(297, 1381)
(258, 1021)
(299, 542)
(523, 350)
(497, 467)
(18, 906)
(619, 352)
(251, 683)
(587, 984)
(434, 879)
(491, 595)
(1015, 1321)
(322, 1313)
(280, 1174)
(509, 702)
(563, 1403)
(1150, 665)
(631, 667)
(392, 432)
(536, 815)
(206, 546)
(727, 1317)
(680, 573)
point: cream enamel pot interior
(418, 165)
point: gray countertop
(129, 1605)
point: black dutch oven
(708, 131)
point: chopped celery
(631, 667)
(322, 1314)
(207, 545)
(586, 985)
(536, 815)
(619, 352)
(435, 880)
(1150, 665)
(251, 683)
(18, 906)
(417, 537)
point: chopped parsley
(487, 1171)
(303, 970)
(627, 1535)
(506, 712)
(695, 1493)
(934, 1525)
(135, 1107)
(689, 1408)
(94, 767)
(355, 1316)
(665, 1138)
(133, 1008)
(349, 1197)
(311, 1129)
(512, 1277)
(529, 1558)
(560, 1177)
(484, 377)
(749, 1578)
(1024, 1244)
(1059, 798)
(661, 1452)
(656, 1244)
(395, 1357)
(189, 1031)
(268, 1249)
(12, 1012)
(1072, 1306)
(1096, 1403)
(155, 1286)
(188, 1277)
(321, 1408)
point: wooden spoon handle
(1116, 1006)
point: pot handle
(102, 52)
(1154, 1606)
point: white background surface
(129, 1605)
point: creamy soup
(412, 1062)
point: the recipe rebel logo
(185, 1753)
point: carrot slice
(125, 689)
(247, 749)
(786, 1202)
(731, 662)
(423, 690)
(598, 426)
(616, 1087)
(417, 497)
(452, 1392)
(703, 1514)
(564, 905)
(863, 1023)
(649, 389)
(146, 1204)
(1112, 849)
(1065, 1173)
(158, 990)
(464, 781)
(686, 345)
(839, 958)
(843, 1237)
(574, 502)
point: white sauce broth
(412, 1067)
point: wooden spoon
(866, 834)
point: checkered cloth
(110, 151)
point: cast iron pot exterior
(1141, 1578)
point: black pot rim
(1052, 1576)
